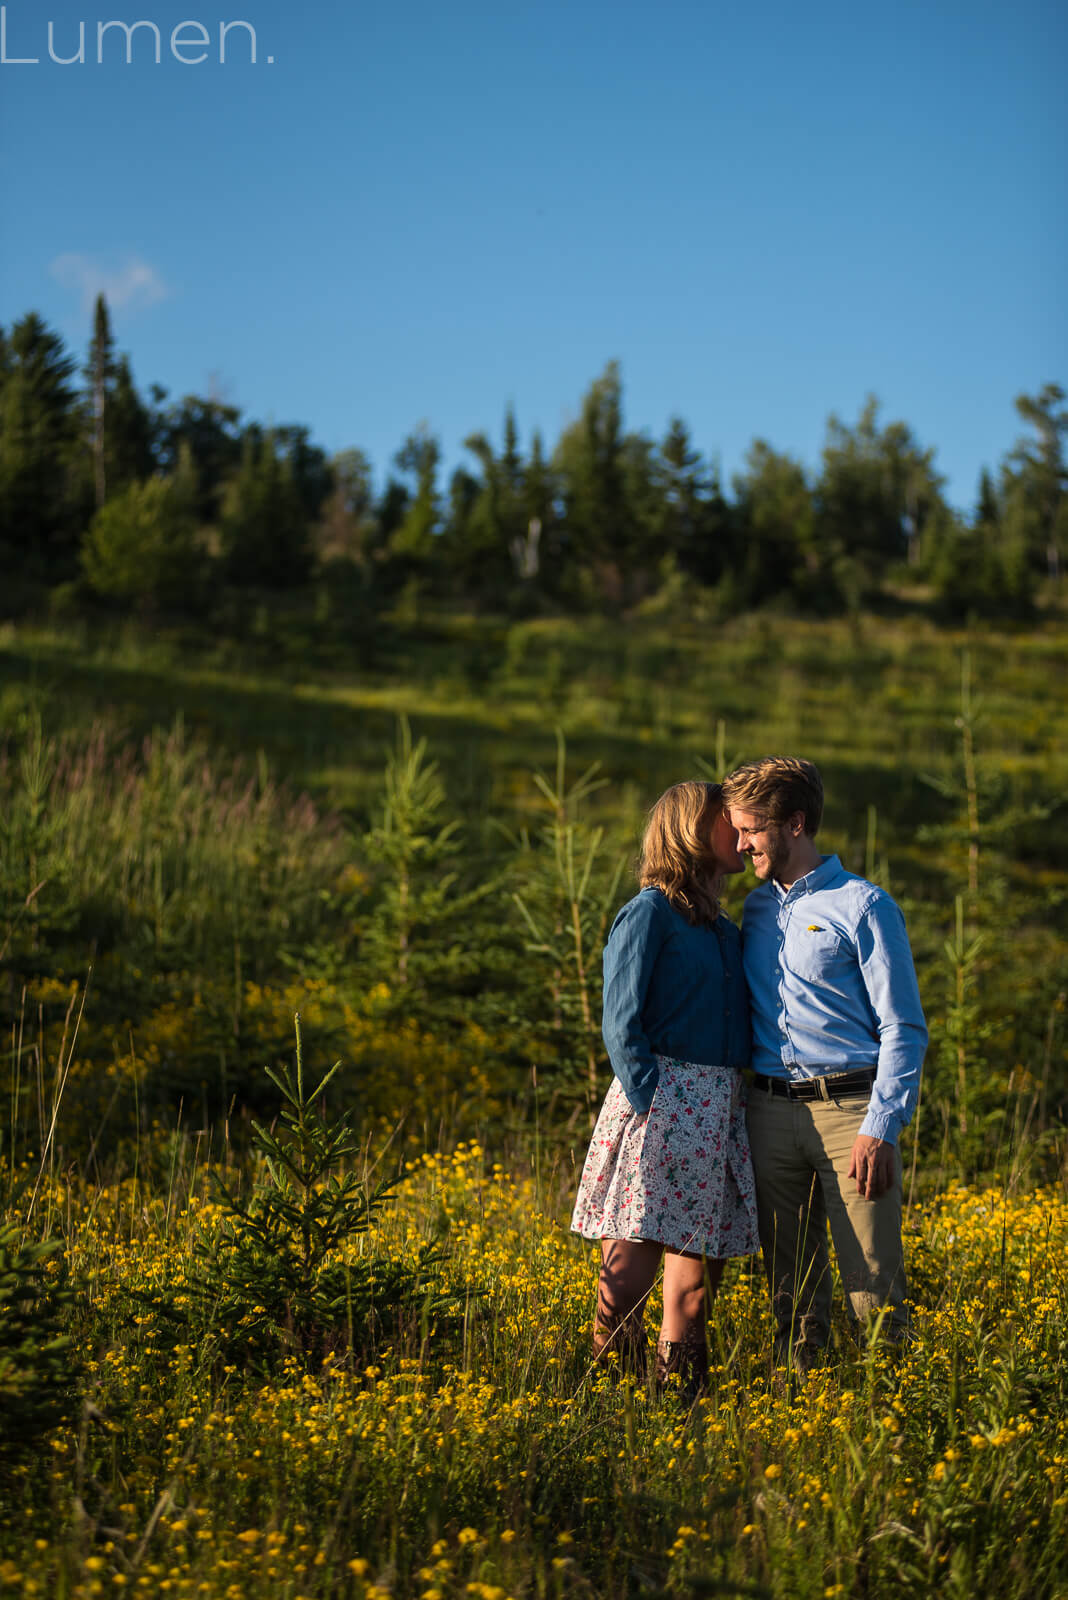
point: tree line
(115, 499)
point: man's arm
(889, 975)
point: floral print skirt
(681, 1174)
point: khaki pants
(801, 1152)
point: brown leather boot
(686, 1358)
(627, 1340)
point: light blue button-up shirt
(833, 988)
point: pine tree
(589, 462)
(100, 375)
(412, 937)
(45, 496)
(141, 546)
(264, 532)
(1035, 481)
(278, 1276)
(418, 457)
(128, 445)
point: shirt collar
(818, 878)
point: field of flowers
(229, 1378)
(476, 1452)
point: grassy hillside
(945, 758)
(199, 839)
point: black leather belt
(826, 1088)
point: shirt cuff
(878, 1125)
(639, 1091)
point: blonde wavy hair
(778, 786)
(677, 856)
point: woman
(668, 1174)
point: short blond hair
(677, 856)
(778, 787)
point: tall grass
(487, 1454)
(170, 898)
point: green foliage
(37, 1371)
(142, 548)
(35, 899)
(414, 937)
(279, 1275)
(980, 571)
(878, 492)
(45, 489)
(600, 522)
(1035, 481)
(182, 879)
(960, 1067)
(209, 432)
(347, 530)
(571, 888)
(264, 528)
(497, 1457)
(413, 540)
(776, 512)
(212, 901)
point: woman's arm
(630, 955)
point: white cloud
(127, 285)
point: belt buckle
(822, 1091)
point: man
(838, 1042)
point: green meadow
(342, 1349)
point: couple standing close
(818, 994)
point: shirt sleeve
(629, 958)
(889, 976)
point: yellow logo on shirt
(814, 927)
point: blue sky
(427, 211)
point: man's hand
(872, 1164)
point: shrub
(36, 1371)
(277, 1275)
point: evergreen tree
(308, 466)
(212, 432)
(776, 518)
(979, 569)
(391, 510)
(141, 545)
(511, 459)
(100, 375)
(120, 426)
(1035, 482)
(987, 509)
(413, 538)
(681, 484)
(589, 463)
(489, 521)
(419, 939)
(129, 454)
(45, 495)
(640, 552)
(538, 529)
(263, 528)
(876, 494)
(347, 526)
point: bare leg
(690, 1284)
(628, 1272)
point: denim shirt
(671, 990)
(833, 988)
